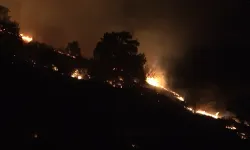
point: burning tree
(116, 56)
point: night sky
(202, 44)
(163, 25)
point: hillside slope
(41, 109)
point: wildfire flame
(157, 81)
(26, 38)
(153, 82)
(76, 74)
(202, 112)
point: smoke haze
(170, 22)
(166, 29)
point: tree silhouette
(10, 41)
(73, 48)
(116, 55)
(6, 25)
(12, 27)
(4, 13)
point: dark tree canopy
(4, 13)
(117, 55)
(6, 25)
(116, 44)
(73, 48)
(11, 27)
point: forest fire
(202, 112)
(154, 82)
(159, 82)
(26, 38)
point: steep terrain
(41, 109)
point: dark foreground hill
(41, 109)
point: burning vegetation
(106, 58)
(76, 74)
(80, 74)
(117, 83)
(26, 38)
(156, 78)
(158, 81)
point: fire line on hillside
(152, 80)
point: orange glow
(202, 112)
(26, 38)
(159, 82)
(77, 74)
(154, 82)
(54, 67)
(190, 109)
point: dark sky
(201, 44)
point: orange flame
(154, 82)
(158, 82)
(26, 38)
(202, 112)
(76, 74)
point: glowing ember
(63, 53)
(202, 112)
(79, 77)
(190, 109)
(175, 94)
(231, 127)
(116, 83)
(157, 81)
(180, 98)
(26, 38)
(242, 135)
(54, 68)
(76, 74)
(216, 116)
